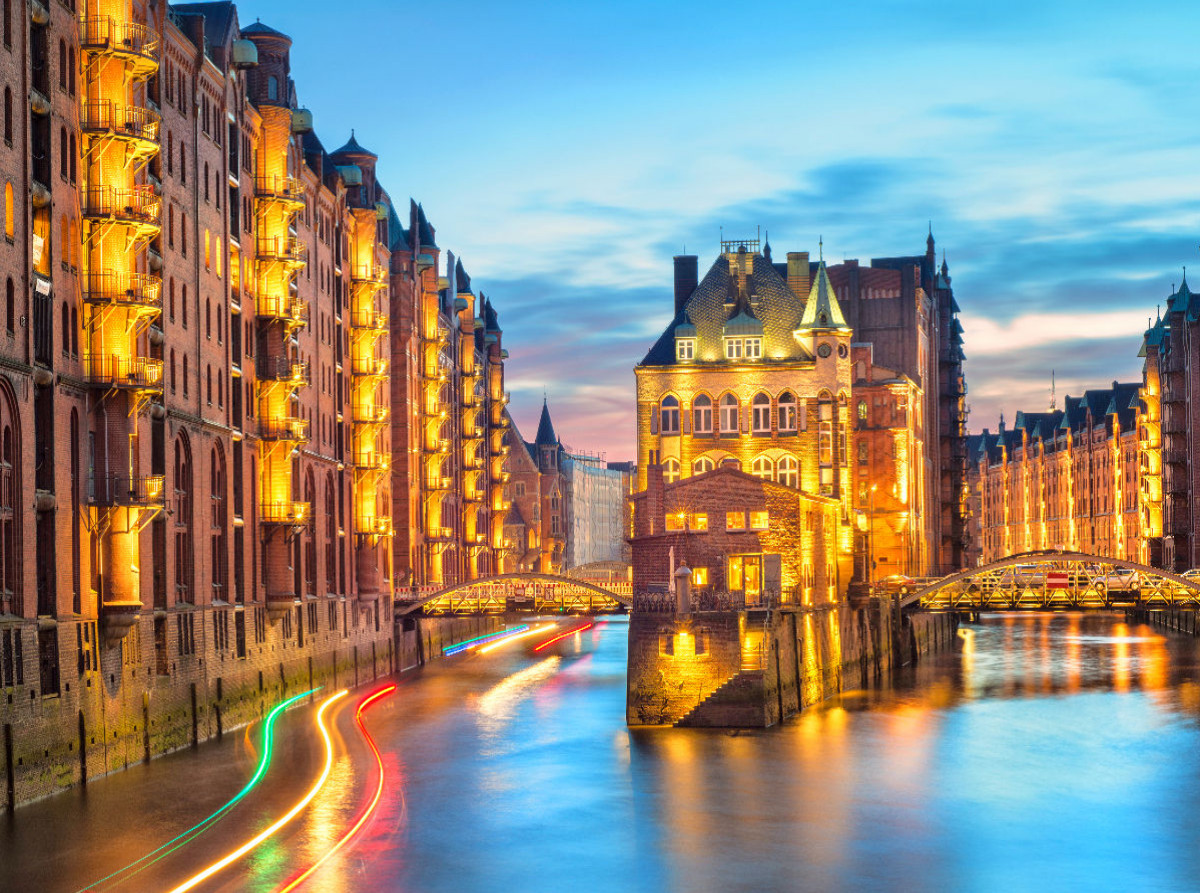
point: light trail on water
(370, 808)
(139, 865)
(246, 847)
(508, 639)
(470, 644)
(562, 636)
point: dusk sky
(566, 152)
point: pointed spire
(822, 310)
(767, 246)
(545, 431)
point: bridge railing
(661, 601)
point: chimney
(797, 262)
(687, 275)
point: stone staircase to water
(735, 703)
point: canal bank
(754, 668)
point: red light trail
(370, 808)
(561, 636)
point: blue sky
(567, 151)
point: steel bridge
(519, 593)
(1055, 581)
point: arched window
(64, 250)
(10, 306)
(183, 303)
(75, 331)
(172, 370)
(862, 413)
(66, 329)
(71, 64)
(171, 299)
(763, 467)
(220, 511)
(789, 472)
(74, 159)
(10, 513)
(185, 375)
(331, 537)
(671, 471)
(761, 414)
(207, 251)
(825, 428)
(272, 87)
(183, 522)
(729, 414)
(787, 413)
(220, 254)
(207, 315)
(74, 242)
(206, 199)
(220, 389)
(670, 415)
(208, 379)
(703, 464)
(62, 153)
(62, 64)
(310, 546)
(10, 213)
(76, 544)
(8, 23)
(8, 115)
(702, 414)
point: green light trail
(268, 746)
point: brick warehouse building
(197, 420)
(764, 366)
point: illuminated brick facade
(1064, 479)
(842, 382)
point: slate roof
(822, 311)
(353, 148)
(424, 231)
(219, 18)
(545, 431)
(257, 28)
(715, 301)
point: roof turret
(822, 310)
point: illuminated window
(670, 415)
(685, 348)
(763, 467)
(207, 250)
(703, 464)
(729, 414)
(862, 412)
(702, 414)
(733, 575)
(675, 521)
(699, 576)
(733, 348)
(9, 211)
(862, 452)
(698, 521)
(789, 472)
(671, 471)
(753, 348)
(220, 271)
(759, 520)
(787, 413)
(761, 414)
(735, 520)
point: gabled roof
(219, 18)
(424, 231)
(462, 279)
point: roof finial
(821, 247)
(1052, 393)
(1184, 284)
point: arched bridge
(1055, 581)
(528, 593)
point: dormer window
(743, 348)
(685, 349)
(753, 348)
(733, 348)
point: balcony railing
(126, 204)
(282, 188)
(286, 429)
(112, 370)
(283, 369)
(439, 533)
(369, 319)
(295, 513)
(370, 414)
(437, 482)
(126, 490)
(284, 249)
(374, 460)
(373, 273)
(104, 34)
(369, 365)
(285, 308)
(140, 290)
(373, 527)
(129, 121)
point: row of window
(758, 520)
(785, 471)
(787, 415)
(735, 348)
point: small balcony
(130, 373)
(374, 460)
(287, 190)
(136, 291)
(295, 514)
(288, 430)
(370, 414)
(283, 370)
(373, 274)
(369, 366)
(122, 490)
(292, 310)
(135, 206)
(439, 533)
(373, 527)
(139, 127)
(369, 319)
(437, 482)
(134, 44)
(282, 249)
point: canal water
(1046, 752)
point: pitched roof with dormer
(740, 294)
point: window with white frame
(671, 471)
(685, 348)
(787, 413)
(789, 472)
(761, 414)
(763, 467)
(702, 415)
(670, 415)
(729, 414)
(702, 465)
(753, 348)
(733, 348)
